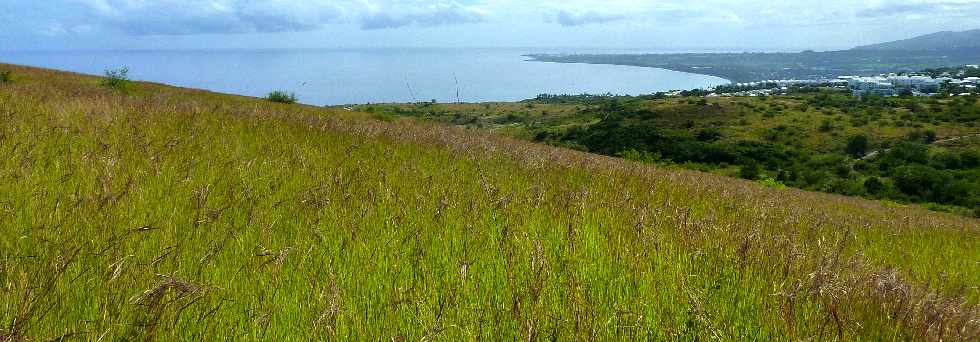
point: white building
(923, 84)
(871, 86)
(893, 85)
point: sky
(668, 25)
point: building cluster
(894, 85)
(790, 83)
(968, 84)
(776, 87)
(882, 85)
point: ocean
(358, 76)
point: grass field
(155, 212)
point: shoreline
(372, 78)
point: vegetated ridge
(152, 212)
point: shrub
(117, 78)
(640, 156)
(708, 135)
(6, 76)
(750, 171)
(280, 96)
(924, 183)
(826, 126)
(772, 183)
(874, 185)
(857, 146)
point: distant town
(953, 82)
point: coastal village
(894, 84)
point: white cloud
(622, 23)
(920, 9)
(567, 18)
(434, 14)
(181, 17)
(189, 17)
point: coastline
(333, 77)
(696, 70)
(756, 67)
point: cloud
(55, 30)
(503, 22)
(567, 18)
(930, 9)
(433, 15)
(191, 17)
(181, 17)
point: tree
(874, 185)
(708, 135)
(750, 171)
(923, 182)
(857, 146)
(116, 78)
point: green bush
(826, 126)
(874, 186)
(640, 156)
(857, 146)
(750, 171)
(772, 183)
(6, 76)
(117, 79)
(280, 96)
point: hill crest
(945, 40)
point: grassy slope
(182, 214)
(787, 121)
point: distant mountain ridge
(946, 40)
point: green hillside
(906, 150)
(136, 211)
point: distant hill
(946, 40)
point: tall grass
(176, 214)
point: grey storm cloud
(566, 18)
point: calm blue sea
(355, 76)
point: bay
(357, 76)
